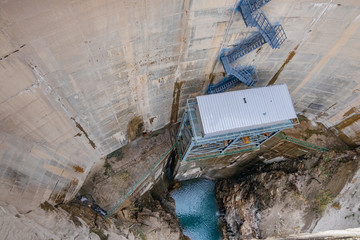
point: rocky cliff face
(151, 217)
(316, 192)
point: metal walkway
(302, 143)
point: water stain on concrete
(288, 59)
(211, 77)
(91, 142)
(176, 101)
(58, 196)
(78, 169)
(135, 128)
(17, 177)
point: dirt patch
(336, 205)
(288, 59)
(59, 198)
(77, 211)
(343, 174)
(320, 202)
(108, 168)
(117, 154)
(176, 101)
(316, 133)
(135, 128)
(78, 169)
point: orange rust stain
(347, 122)
(246, 139)
(351, 111)
(288, 59)
(78, 169)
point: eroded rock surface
(317, 192)
(151, 217)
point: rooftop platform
(229, 121)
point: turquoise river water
(197, 210)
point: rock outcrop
(317, 192)
(151, 217)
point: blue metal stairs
(254, 17)
(246, 75)
(247, 7)
(253, 42)
(267, 33)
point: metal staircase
(250, 5)
(246, 75)
(253, 42)
(273, 34)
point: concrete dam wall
(79, 79)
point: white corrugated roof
(245, 109)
